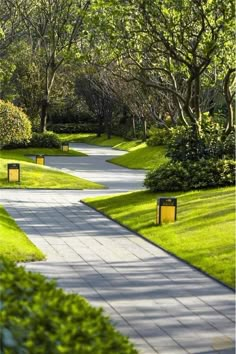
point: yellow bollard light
(65, 147)
(40, 159)
(13, 172)
(166, 210)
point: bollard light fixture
(13, 172)
(166, 210)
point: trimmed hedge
(46, 140)
(37, 317)
(184, 176)
(74, 128)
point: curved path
(162, 304)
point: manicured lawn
(143, 157)
(23, 154)
(14, 244)
(36, 176)
(203, 235)
(116, 142)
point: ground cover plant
(203, 234)
(64, 323)
(36, 176)
(14, 244)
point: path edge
(163, 249)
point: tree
(158, 38)
(53, 28)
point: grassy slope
(143, 157)
(22, 154)
(36, 176)
(14, 244)
(139, 156)
(203, 234)
(115, 142)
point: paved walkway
(162, 304)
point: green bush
(183, 176)
(47, 140)
(37, 318)
(15, 126)
(186, 143)
(158, 136)
(74, 128)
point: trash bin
(40, 160)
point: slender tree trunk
(44, 115)
(134, 127)
(229, 101)
(100, 121)
(144, 129)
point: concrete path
(162, 304)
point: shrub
(183, 176)
(36, 317)
(15, 126)
(186, 144)
(47, 140)
(158, 136)
(74, 128)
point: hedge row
(37, 317)
(184, 176)
(74, 128)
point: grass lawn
(23, 154)
(203, 235)
(36, 176)
(115, 142)
(14, 244)
(143, 157)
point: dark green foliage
(38, 318)
(74, 128)
(183, 176)
(158, 136)
(187, 144)
(47, 140)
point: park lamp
(13, 172)
(40, 159)
(65, 147)
(166, 210)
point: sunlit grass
(143, 157)
(36, 176)
(23, 154)
(203, 235)
(14, 244)
(115, 142)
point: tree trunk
(100, 121)
(229, 101)
(144, 129)
(44, 115)
(134, 127)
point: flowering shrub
(15, 126)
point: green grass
(115, 142)
(14, 244)
(23, 154)
(143, 157)
(203, 235)
(36, 176)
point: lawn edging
(160, 247)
